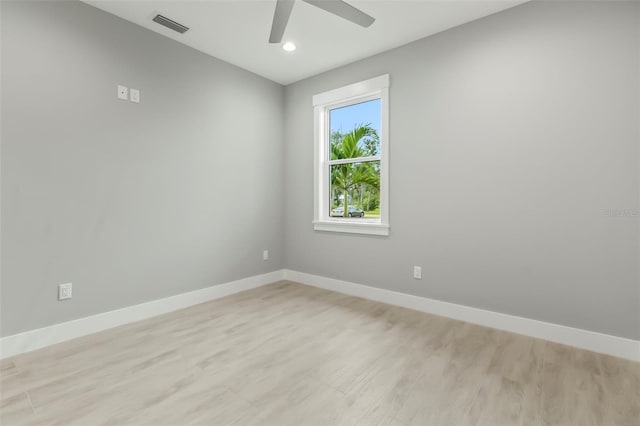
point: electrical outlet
(417, 272)
(123, 92)
(64, 291)
(134, 95)
(265, 255)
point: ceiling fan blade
(343, 10)
(280, 19)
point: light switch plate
(123, 92)
(134, 95)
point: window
(351, 158)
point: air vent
(172, 25)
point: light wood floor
(288, 354)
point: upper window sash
(374, 94)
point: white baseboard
(41, 337)
(584, 339)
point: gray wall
(129, 202)
(510, 137)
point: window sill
(351, 227)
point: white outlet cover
(123, 92)
(265, 255)
(65, 291)
(134, 95)
(417, 272)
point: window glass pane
(355, 130)
(359, 185)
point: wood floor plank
(511, 392)
(581, 387)
(289, 354)
(621, 384)
(7, 367)
(15, 408)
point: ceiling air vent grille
(173, 25)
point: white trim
(355, 90)
(584, 339)
(352, 227)
(384, 161)
(46, 336)
(374, 88)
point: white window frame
(375, 88)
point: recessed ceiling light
(289, 47)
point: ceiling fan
(337, 7)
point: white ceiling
(237, 31)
